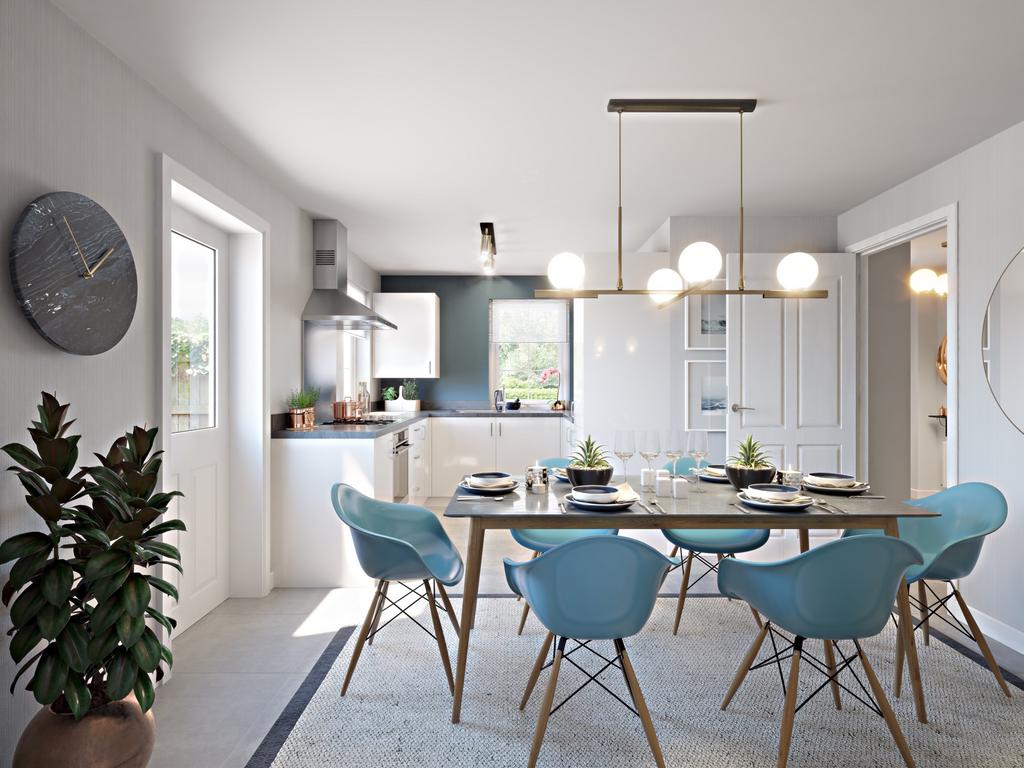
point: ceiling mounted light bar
(700, 263)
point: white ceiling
(413, 121)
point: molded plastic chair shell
(594, 588)
(543, 539)
(681, 466)
(842, 590)
(397, 542)
(718, 541)
(951, 543)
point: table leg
(470, 588)
(805, 540)
(892, 528)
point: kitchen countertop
(370, 431)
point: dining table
(717, 506)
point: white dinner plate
(802, 503)
(615, 506)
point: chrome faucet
(499, 399)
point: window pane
(193, 307)
(529, 320)
(529, 371)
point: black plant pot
(741, 478)
(581, 476)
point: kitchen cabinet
(567, 438)
(419, 461)
(414, 350)
(519, 442)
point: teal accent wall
(464, 329)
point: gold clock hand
(99, 263)
(88, 272)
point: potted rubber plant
(750, 465)
(302, 407)
(589, 464)
(81, 595)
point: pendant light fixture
(488, 250)
(700, 262)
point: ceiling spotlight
(797, 271)
(566, 271)
(488, 249)
(923, 280)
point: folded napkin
(626, 493)
(716, 471)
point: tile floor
(237, 668)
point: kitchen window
(529, 349)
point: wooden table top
(718, 507)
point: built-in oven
(400, 464)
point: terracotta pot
(117, 735)
(581, 476)
(741, 478)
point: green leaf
(104, 588)
(161, 500)
(146, 651)
(24, 668)
(167, 656)
(24, 641)
(106, 614)
(23, 455)
(175, 566)
(164, 527)
(33, 483)
(51, 674)
(144, 691)
(130, 629)
(102, 645)
(24, 544)
(121, 674)
(73, 646)
(27, 567)
(135, 594)
(106, 564)
(164, 586)
(46, 506)
(65, 490)
(56, 582)
(52, 619)
(168, 623)
(78, 696)
(162, 548)
(28, 604)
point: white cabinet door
(419, 461)
(567, 438)
(460, 446)
(414, 350)
(523, 440)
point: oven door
(400, 463)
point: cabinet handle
(492, 429)
(430, 367)
(499, 429)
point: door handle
(736, 408)
(492, 429)
(499, 429)
(430, 367)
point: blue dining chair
(950, 544)
(577, 596)
(397, 543)
(542, 539)
(824, 594)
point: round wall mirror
(1001, 351)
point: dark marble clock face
(73, 273)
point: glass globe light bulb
(667, 282)
(797, 271)
(942, 284)
(700, 262)
(923, 280)
(566, 271)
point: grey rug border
(279, 732)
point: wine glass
(697, 449)
(674, 447)
(625, 447)
(650, 446)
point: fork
(829, 507)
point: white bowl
(490, 480)
(596, 494)
(772, 492)
(830, 480)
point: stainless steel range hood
(329, 304)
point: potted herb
(80, 595)
(589, 465)
(302, 407)
(390, 395)
(750, 465)
(409, 395)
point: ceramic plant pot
(741, 478)
(581, 476)
(116, 735)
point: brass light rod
(765, 293)
(690, 106)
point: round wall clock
(73, 273)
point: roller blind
(529, 320)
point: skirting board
(993, 629)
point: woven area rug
(397, 711)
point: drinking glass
(625, 447)
(675, 447)
(697, 449)
(650, 446)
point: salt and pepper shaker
(679, 487)
(663, 484)
(647, 477)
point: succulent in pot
(81, 595)
(589, 465)
(750, 465)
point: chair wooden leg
(748, 660)
(380, 610)
(789, 711)
(897, 685)
(447, 605)
(830, 662)
(641, 705)
(979, 638)
(363, 632)
(883, 704)
(757, 616)
(535, 672)
(522, 618)
(674, 552)
(545, 707)
(684, 585)
(439, 633)
(922, 597)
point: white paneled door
(198, 459)
(792, 367)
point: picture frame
(706, 320)
(706, 395)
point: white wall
(75, 118)
(987, 184)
